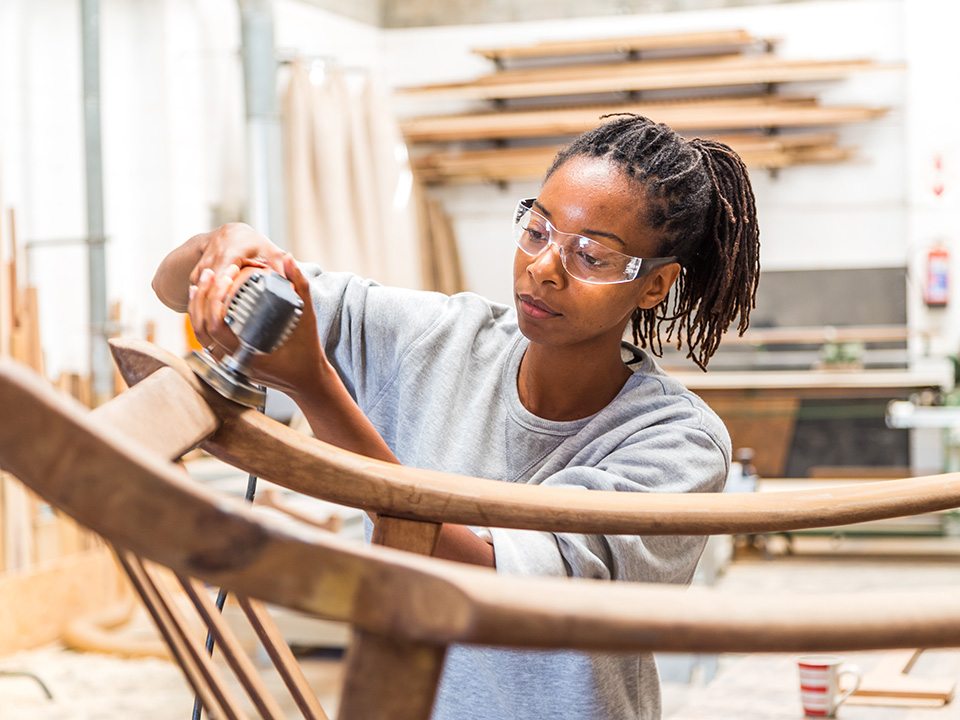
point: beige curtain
(349, 185)
(353, 203)
(440, 258)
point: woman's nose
(548, 265)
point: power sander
(262, 313)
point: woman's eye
(535, 235)
(590, 260)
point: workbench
(761, 409)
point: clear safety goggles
(585, 259)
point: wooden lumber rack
(726, 85)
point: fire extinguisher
(937, 287)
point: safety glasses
(585, 259)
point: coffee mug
(820, 684)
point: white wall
(173, 142)
(173, 137)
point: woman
(545, 392)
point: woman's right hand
(227, 256)
(234, 245)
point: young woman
(545, 392)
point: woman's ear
(656, 285)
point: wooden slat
(282, 657)
(277, 453)
(767, 152)
(242, 666)
(198, 667)
(641, 76)
(641, 43)
(707, 115)
(904, 686)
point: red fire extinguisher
(937, 287)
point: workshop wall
(174, 140)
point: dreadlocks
(698, 198)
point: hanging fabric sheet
(350, 201)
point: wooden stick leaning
(6, 290)
(135, 498)
(276, 453)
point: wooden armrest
(268, 449)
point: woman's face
(594, 198)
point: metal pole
(100, 364)
(264, 138)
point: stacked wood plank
(642, 75)
(712, 40)
(744, 107)
(50, 569)
(769, 152)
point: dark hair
(697, 196)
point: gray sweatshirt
(437, 376)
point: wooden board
(641, 43)
(642, 76)
(734, 114)
(38, 604)
(759, 151)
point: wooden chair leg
(234, 654)
(197, 665)
(390, 678)
(410, 535)
(283, 658)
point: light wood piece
(703, 116)
(641, 76)
(889, 681)
(525, 163)
(636, 44)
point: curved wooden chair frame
(248, 440)
(111, 470)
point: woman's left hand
(297, 366)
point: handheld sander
(262, 313)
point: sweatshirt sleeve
(663, 457)
(366, 328)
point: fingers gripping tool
(262, 313)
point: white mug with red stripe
(820, 684)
